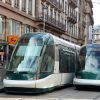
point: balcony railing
(56, 4)
(72, 18)
(54, 22)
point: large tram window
(66, 61)
(47, 64)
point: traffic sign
(12, 39)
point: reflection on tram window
(92, 59)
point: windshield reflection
(92, 58)
(26, 56)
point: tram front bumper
(19, 83)
(18, 86)
(87, 82)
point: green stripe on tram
(89, 75)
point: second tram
(40, 62)
(88, 73)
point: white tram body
(50, 61)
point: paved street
(61, 94)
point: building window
(55, 14)
(29, 28)
(23, 5)
(17, 3)
(30, 7)
(66, 5)
(2, 25)
(51, 13)
(15, 28)
(8, 1)
(58, 16)
(63, 4)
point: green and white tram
(88, 73)
(40, 62)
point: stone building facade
(85, 21)
(63, 18)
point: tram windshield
(28, 55)
(24, 58)
(90, 58)
(93, 57)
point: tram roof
(56, 39)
